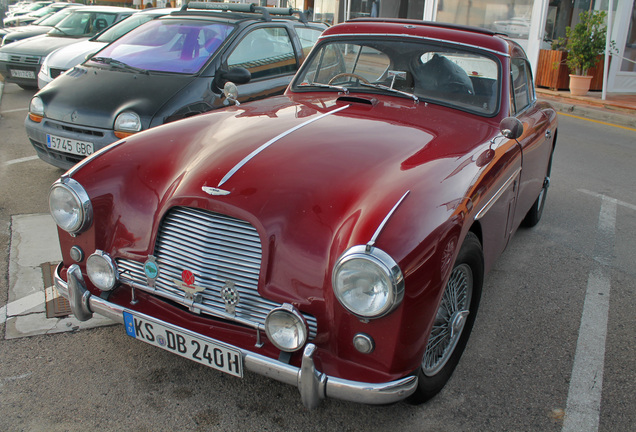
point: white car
(66, 57)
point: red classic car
(335, 238)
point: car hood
(26, 31)
(313, 177)
(74, 54)
(40, 45)
(96, 95)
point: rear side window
(265, 52)
(521, 78)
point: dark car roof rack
(266, 12)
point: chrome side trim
(481, 213)
(312, 384)
(384, 222)
(250, 156)
(401, 35)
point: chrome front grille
(32, 60)
(216, 249)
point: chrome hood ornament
(214, 191)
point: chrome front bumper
(312, 384)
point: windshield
(44, 11)
(451, 76)
(123, 27)
(55, 18)
(174, 45)
(83, 23)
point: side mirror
(231, 93)
(237, 75)
(511, 127)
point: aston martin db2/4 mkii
(334, 238)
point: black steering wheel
(340, 75)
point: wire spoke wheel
(450, 320)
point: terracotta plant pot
(580, 84)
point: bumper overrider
(312, 384)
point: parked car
(31, 17)
(39, 27)
(26, 9)
(61, 60)
(20, 61)
(335, 238)
(168, 69)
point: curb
(598, 114)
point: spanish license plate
(201, 349)
(18, 73)
(67, 145)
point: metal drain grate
(56, 305)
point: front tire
(536, 211)
(453, 322)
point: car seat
(100, 24)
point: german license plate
(201, 349)
(17, 73)
(67, 145)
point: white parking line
(619, 202)
(586, 383)
(14, 110)
(24, 159)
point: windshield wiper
(116, 63)
(387, 88)
(61, 31)
(328, 86)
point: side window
(101, 21)
(522, 89)
(308, 38)
(265, 52)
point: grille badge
(151, 270)
(187, 284)
(230, 296)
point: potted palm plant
(585, 42)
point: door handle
(548, 134)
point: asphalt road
(567, 283)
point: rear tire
(453, 322)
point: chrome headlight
(286, 328)
(70, 206)
(36, 106)
(369, 284)
(101, 270)
(128, 121)
(5, 56)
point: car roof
(116, 9)
(463, 35)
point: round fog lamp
(101, 270)
(286, 328)
(363, 343)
